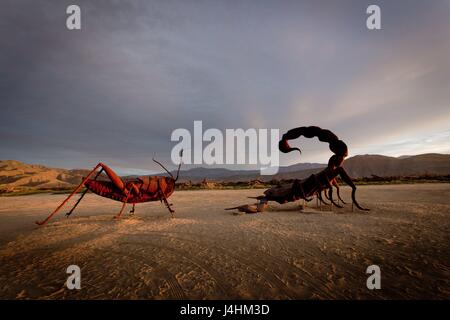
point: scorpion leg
(335, 183)
(349, 181)
(339, 196)
(319, 193)
(132, 210)
(326, 195)
(330, 194)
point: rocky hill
(16, 175)
(382, 166)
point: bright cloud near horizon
(116, 89)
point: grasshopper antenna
(179, 166)
(163, 167)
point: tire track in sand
(257, 267)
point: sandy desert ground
(208, 253)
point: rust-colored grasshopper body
(136, 190)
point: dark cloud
(115, 90)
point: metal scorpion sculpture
(314, 184)
(137, 190)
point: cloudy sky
(115, 90)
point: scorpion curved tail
(338, 147)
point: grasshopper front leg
(163, 197)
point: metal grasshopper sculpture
(137, 190)
(316, 183)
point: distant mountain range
(226, 175)
(15, 175)
(423, 164)
(357, 167)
